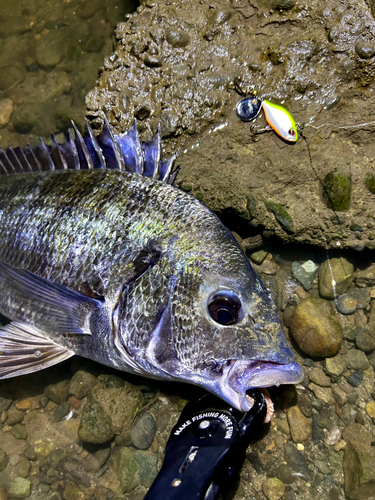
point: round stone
(273, 488)
(315, 328)
(346, 304)
(143, 431)
(370, 408)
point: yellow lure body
(280, 120)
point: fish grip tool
(205, 448)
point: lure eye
(225, 307)
(291, 132)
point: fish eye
(224, 307)
(291, 132)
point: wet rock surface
(188, 70)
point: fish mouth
(240, 376)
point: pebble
(300, 426)
(315, 328)
(305, 273)
(370, 408)
(295, 459)
(258, 256)
(4, 404)
(346, 304)
(365, 50)
(273, 488)
(6, 110)
(10, 76)
(365, 340)
(147, 462)
(19, 431)
(333, 436)
(25, 404)
(24, 466)
(14, 416)
(4, 459)
(340, 445)
(61, 410)
(343, 274)
(19, 488)
(177, 38)
(284, 473)
(366, 278)
(356, 360)
(356, 378)
(143, 431)
(322, 393)
(317, 376)
(58, 392)
(335, 366)
(95, 461)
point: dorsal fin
(108, 150)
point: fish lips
(240, 376)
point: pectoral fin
(29, 299)
(23, 349)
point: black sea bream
(101, 256)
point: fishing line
(339, 126)
(335, 214)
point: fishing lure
(280, 120)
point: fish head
(223, 331)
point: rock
(284, 473)
(304, 273)
(59, 392)
(356, 360)
(300, 426)
(315, 328)
(359, 459)
(370, 182)
(361, 295)
(366, 278)
(143, 431)
(365, 340)
(337, 186)
(95, 460)
(81, 383)
(333, 436)
(370, 409)
(25, 117)
(356, 378)
(4, 404)
(346, 304)
(4, 459)
(14, 416)
(24, 466)
(365, 49)
(126, 468)
(273, 488)
(317, 376)
(177, 38)
(119, 400)
(61, 410)
(277, 4)
(19, 488)
(147, 462)
(338, 269)
(50, 49)
(19, 431)
(281, 215)
(96, 424)
(10, 76)
(295, 459)
(322, 393)
(6, 110)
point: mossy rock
(337, 189)
(281, 215)
(370, 182)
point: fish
(102, 256)
(280, 120)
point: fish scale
(117, 265)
